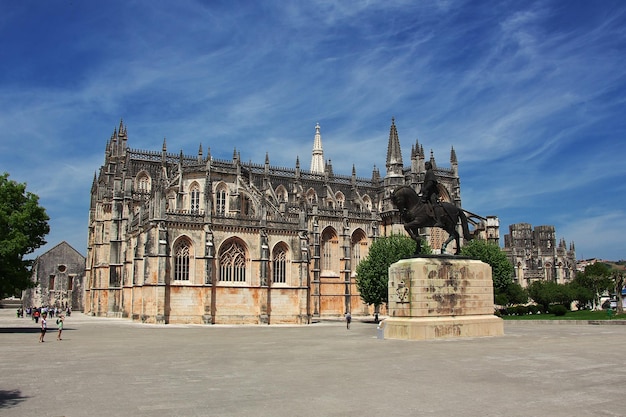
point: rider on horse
(430, 193)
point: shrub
(558, 310)
(521, 310)
(533, 309)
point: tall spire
(432, 159)
(394, 153)
(317, 160)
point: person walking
(348, 320)
(60, 326)
(44, 327)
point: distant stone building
(59, 276)
(535, 254)
(196, 239)
(485, 228)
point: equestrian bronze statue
(415, 214)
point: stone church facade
(196, 239)
(535, 255)
(59, 276)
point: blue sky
(531, 95)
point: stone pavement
(113, 367)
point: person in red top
(44, 326)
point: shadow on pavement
(11, 398)
(30, 329)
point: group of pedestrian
(44, 326)
(36, 312)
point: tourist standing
(44, 326)
(60, 326)
(348, 320)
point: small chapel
(175, 238)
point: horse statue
(416, 214)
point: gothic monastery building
(195, 239)
(535, 255)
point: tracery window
(195, 198)
(281, 194)
(311, 196)
(330, 251)
(359, 248)
(368, 203)
(340, 199)
(233, 263)
(220, 201)
(143, 182)
(279, 265)
(181, 260)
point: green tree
(547, 293)
(372, 273)
(597, 279)
(23, 226)
(501, 268)
(515, 294)
(582, 295)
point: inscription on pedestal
(448, 330)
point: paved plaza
(113, 367)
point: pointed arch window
(311, 196)
(220, 201)
(359, 248)
(340, 199)
(233, 263)
(181, 260)
(368, 203)
(279, 265)
(330, 251)
(143, 183)
(281, 194)
(195, 198)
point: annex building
(175, 238)
(59, 276)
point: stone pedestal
(440, 297)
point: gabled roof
(63, 243)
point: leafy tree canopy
(515, 294)
(546, 293)
(373, 271)
(501, 268)
(596, 278)
(23, 226)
